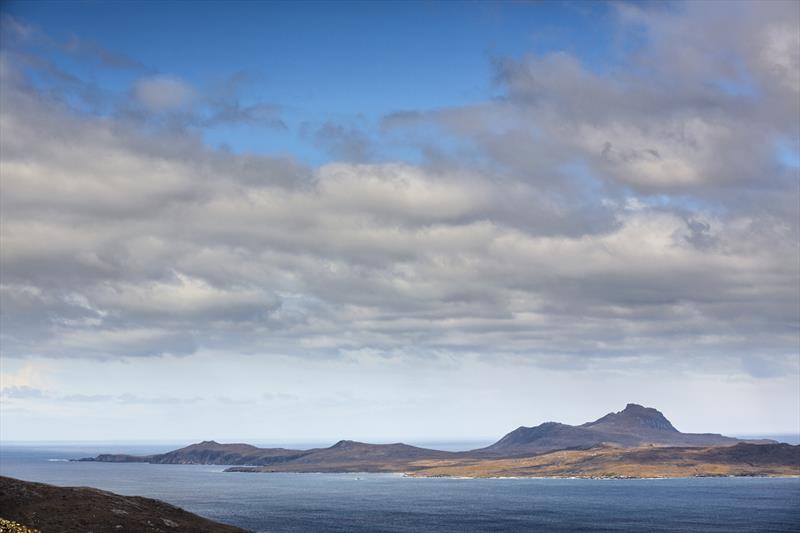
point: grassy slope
(647, 461)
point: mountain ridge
(633, 427)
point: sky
(417, 221)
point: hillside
(632, 427)
(209, 453)
(351, 456)
(52, 509)
(344, 456)
(742, 459)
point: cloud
(163, 93)
(21, 392)
(233, 112)
(175, 105)
(347, 143)
(108, 58)
(579, 217)
(14, 28)
(696, 110)
(154, 100)
(122, 399)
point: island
(636, 442)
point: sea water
(284, 502)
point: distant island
(633, 443)
(33, 506)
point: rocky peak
(636, 416)
(345, 444)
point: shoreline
(413, 475)
(608, 478)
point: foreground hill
(742, 459)
(52, 509)
(632, 428)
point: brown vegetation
(643, 462)
(52, 509)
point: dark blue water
(378, 502)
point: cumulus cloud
(590, 216)
(696, 110)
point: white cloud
(152, 252)
(597, 216)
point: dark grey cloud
(16, 33)
(154, 100)
(14, 30)
(234, 112)
(109, 58)
(640, 213)
(402, 118)
(174, 106)
(345, 142)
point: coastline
(608, 478)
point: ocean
(311, 503)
